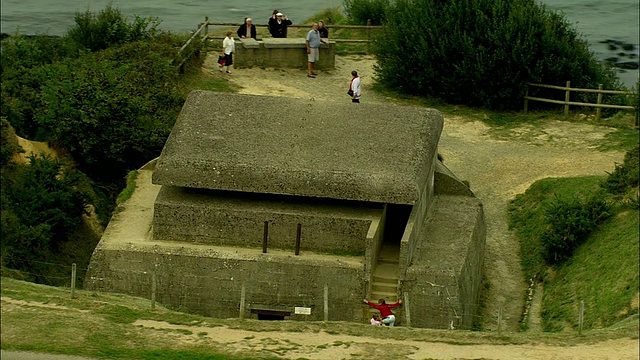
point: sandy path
(497, 169)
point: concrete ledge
(281, 53)
(237, 219)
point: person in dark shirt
(324, 32)
(247, 29)
(278, 25)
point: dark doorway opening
(270, 315)
(397, 219)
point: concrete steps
(384, 281)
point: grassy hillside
(603, 272)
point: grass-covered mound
(580, 237)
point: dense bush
(360, 12)
(570, 222)
(112, 110)
(8, 143)
(41, 204)
(109, 27)
(482, 52)
(625, 175)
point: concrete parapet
(281, 53)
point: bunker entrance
(396, 223)
(270, 315)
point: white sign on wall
(302, 310)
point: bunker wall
(181, 215)
(211, 284)
(281, 53)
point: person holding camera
(278, 24)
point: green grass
(603, 272)
(101, 325)
(127, 192)
(527, 219)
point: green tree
(482, 52)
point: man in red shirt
(388, 319)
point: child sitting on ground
(376, 320)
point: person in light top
(228, 46)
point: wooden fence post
(581, 317)
(599, 109)
(407, 315)
(242, 299)
(326, 302)
(526, 101)
(206, 27)
(500, 320)
(368, 36)
(73, 280)
(567, 97)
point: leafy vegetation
(105, 96)
(109, 27)
(443, 49)
(366, 12)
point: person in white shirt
(354, 87)
(228, 46)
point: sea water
(597, 20)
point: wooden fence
(567, 93)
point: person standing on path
(388, 319)
(354, 87)
(247, 30)
(228, 46)
(313, 41)
(278, 24)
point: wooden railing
(567, 95)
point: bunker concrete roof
(304, 147)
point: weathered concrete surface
(446, 274)
(281, 53)
(208, 279)
(237, 219)
(300, 147)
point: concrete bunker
(381, 217)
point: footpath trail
(497, 167)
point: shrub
(569, 223)
(361, 11)
(625, 175)
(110, 27)
(482, 52)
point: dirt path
(497, 169)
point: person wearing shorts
(313, 41)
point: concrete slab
(300, 147)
